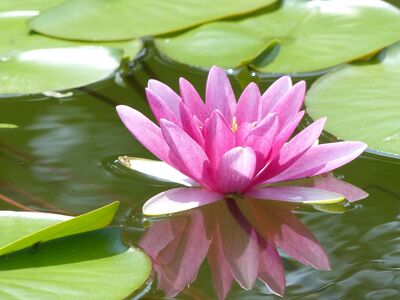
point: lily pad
(300, 36)
(362, 102)
(104, 20)
(41, 70)
(8, 126)
(26, 5)
(94, 265)
(23, 229)
(17, 37)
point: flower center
(234, 126)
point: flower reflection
(239, 240)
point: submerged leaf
(362, 102)
(302, 36)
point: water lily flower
(223, 148)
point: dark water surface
(61, 159)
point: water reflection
(239, 239)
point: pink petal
(248, 105)
(286, 133)
(236, 169)
(292, 150)
(218, 136)
(321, 159)
(261, 138)
(276, 221)
(192, 100)
(219, 93)
(179, 199)
(166, 94)
(273, 94)
(331, 183)
(221, 273)
(147, 133)
(271, 271)
(190, 155)
(295, 194)
(290, 104)
(240, 245)
(160, 109)
(242, 132)
(189, 125)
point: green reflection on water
(60, 159)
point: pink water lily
(223, 148)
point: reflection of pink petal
(236, 169)
(189, 255)
(271, 270)
(159, 235)
(240, 245)
(179, 199)
(221, 273)
(299, 194)
(248, 104)
(219, 93)
(275, 222)
(330, 183)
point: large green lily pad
(105, 20)
(362, 102)
(27, 5)
(69, 67)
(300, 36)
(23, 229)
(43, 70)
(94, 265)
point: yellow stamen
(234, 126)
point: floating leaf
(104, 20)
(26, 5)
(42, 70)
(95, 265)
(362, 102)
(16, 37)
(300, 36)
(23, 229)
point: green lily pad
(24, 229)
(300, 36)
(104, 20)
(26, 5)
(362, 102)
(41, 70)
(94, 265)
(17, 37)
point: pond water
(62, 156)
